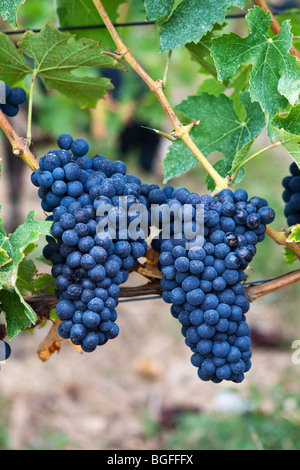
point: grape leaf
(294, 236)
(240, 157)
(275, 75)
(30, 248)
(17, 313)
(4, 257)
(287, 130)
(6, 250)
(74, 13)
(234, 87)
(8, 11)
(192, 19)
(19, 243)
(44, 282)
(17, 273)
(220, 129)
(157, 10)
(26, 272)
(13, 64)
(290, 142)
(58, 55)
(200, 53)
(223, 167)
(291, 122)
(25, 234)
(28, 281)
(293, 15)
(212, 86)
(289, 255)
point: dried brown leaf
(52, 343)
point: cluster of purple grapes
(14, 97)
(291, 195)
(204, 283)
(88, 265)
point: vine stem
(281, 239)
(256, 291)
(234, 175)
(43, 303)
(275, 26)
(182, 132)
(19, 145)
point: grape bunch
(88, 265)
(14, 97)
(291, 195)
(203, 281)
(203, 284)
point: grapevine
(204, 284)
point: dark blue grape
(64, 141)
(72, 171)
(79, 147)
(14, 97)
(17, 96)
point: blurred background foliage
(115, 129)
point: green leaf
(287, 130)
(13, 64)
(30, 248)
(192, 19)
(26, 234)
(178, 160)
(290, 142)
(239, 83)
(8, 11)
(4, 257)
(17, 313)
(200, 53)
(220, 129)
(17, 243)
(294, 236)
(275, 74)
(241, 157)
(26, 272)
(293, 15)
(7, 269)
(291, 122)
(212, 86)
(157, 10)
(223, 167)
(74, 13)
(289, 255)
(44, 282)
(57, 56)
(16, 276)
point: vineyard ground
(119, 396)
